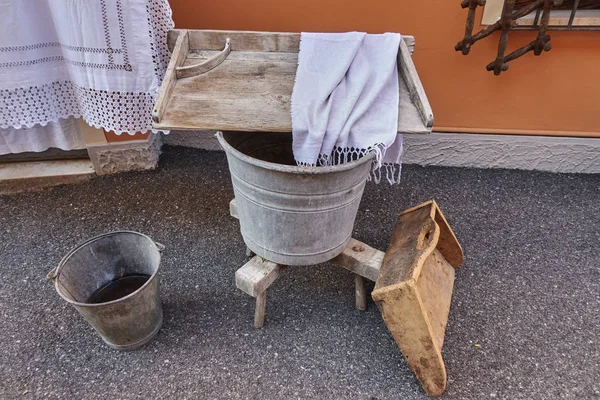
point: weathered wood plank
(360, 292)
(259, 75)
(240, 40)
(416, 314)
(360, 259)
(409, 117)
(194, 56)
(179, 55)
(404, 315)
(257, 275)
(230, 96)
(252, 41)
(410, 43)
(435, 285)
(419, 231)
(413, 239)
(410, 77)
(447, 243)
(259, 310)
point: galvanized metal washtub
(288, 214)
(125, 323)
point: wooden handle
(426, 235)
(199, 69)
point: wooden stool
(414, 282)
(254, 278)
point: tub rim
(292, 169)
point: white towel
(345, 100)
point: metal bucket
(127, 322)
(288, 214)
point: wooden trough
(414, 289)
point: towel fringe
(345, 155)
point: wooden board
(435, 285)
(361, 259)
(285, 42)
(180, 51)
(251, 90)
(414, 290)
(405, 316)
(254, 278)
(257, 275)
(409, 77)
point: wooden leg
(249, 253)
(259, 311)
(254, 278)
(361, 296)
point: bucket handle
(53, 274)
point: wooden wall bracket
(511, 12)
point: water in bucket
(112, 281)
(118, 288)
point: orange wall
(557, 93)
(112, 137)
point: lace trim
(160, 22)
(120, 112)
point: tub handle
(199, 69)
(160, 247)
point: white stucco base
(134, 155)
(197, 139)
(541, 153)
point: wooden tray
(246, 84)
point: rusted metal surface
(468, 39)
(541, 42)
(499, 64)
(488, 30)
(512, 11)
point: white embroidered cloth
(62, 134)
(102, 60)
(345, 100)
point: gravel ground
(528, 293)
